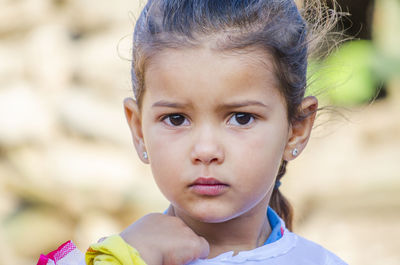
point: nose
(207, 147)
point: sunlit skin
(207, 114)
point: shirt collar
(277, 226)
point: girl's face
(215, 128)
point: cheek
(261, 155)
(266, 146)
(165, 156)
(165, 171)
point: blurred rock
(8, 200)
(84, 114)
(387, 40)
(90, 166)
(30, 162)
(386, 27)
(37, 230)
(7, 252)
(11, 62)
(355, 222)
(363, 156)
(71, 174)
(99, 66)
(93, 226)
(91, 15)
(48, 59)
(25, 117)
(22, 15)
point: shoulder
(310, 253)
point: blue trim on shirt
(275, 223)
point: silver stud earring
(145, 155)
(295, 152)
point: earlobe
(300, 131)
(133, 117)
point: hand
(165, 240)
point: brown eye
(241, 118)
(175, 120)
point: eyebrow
(240, 104)
(245, 103)
(163, 103)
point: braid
(278, 202)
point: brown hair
(274, 26)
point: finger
(204, 248)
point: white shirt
(289, 249)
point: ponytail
(279, 203)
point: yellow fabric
(113, 251)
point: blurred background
(68, 169)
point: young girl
(219, 111)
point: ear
(300, 131)
(133, 118)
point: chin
(208, 216)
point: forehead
(189, 70)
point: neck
(246, 232)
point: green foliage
(347, 76)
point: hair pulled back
(273, 26)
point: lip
(208, 186)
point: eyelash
(251, 117)
(167, 119)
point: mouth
(208, 187)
